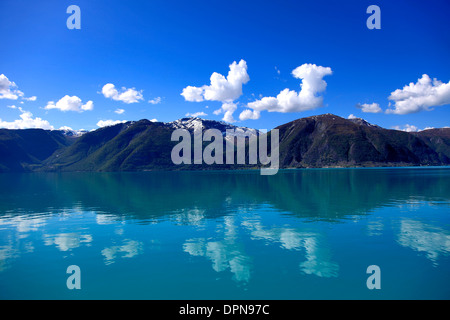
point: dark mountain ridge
(318, 141)
(329, 140)
(27, 149)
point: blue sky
(152, 50)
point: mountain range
(318, 141)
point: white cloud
(119, 111)
(292, 101)
(249, 114)
(33, 98)
(156, 100)
(107, 123)
(193, 94)
(197, 114)
(26, 121)
(227, 110)
(66, 128)
(411, 128)
(130, 95)
(154, 120)
(370, 108)
(221, 88)
(8, 89)
(407, 128)
(68, 103)
(352, 116)
(420, 96)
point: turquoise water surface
(301, 234)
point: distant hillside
(329, 140)
(131, 146)
(438, 140)
(24, 150)
(318, 141)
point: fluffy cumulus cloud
(249, 114)
(65, 128)
(221, 88)
(425, 94)
(370, 108)
(8, 89)
(196, 114)
(307, 98)
(26, 121)
(407, 128)
(227, 110)
(193, 94)
(156, 100)
(352, 116)
(125, 95)
(107, 123)
(119, 111)
(70, 103)
(411, 128)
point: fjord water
(300, 234)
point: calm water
(301, 234)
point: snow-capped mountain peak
(197, 123)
